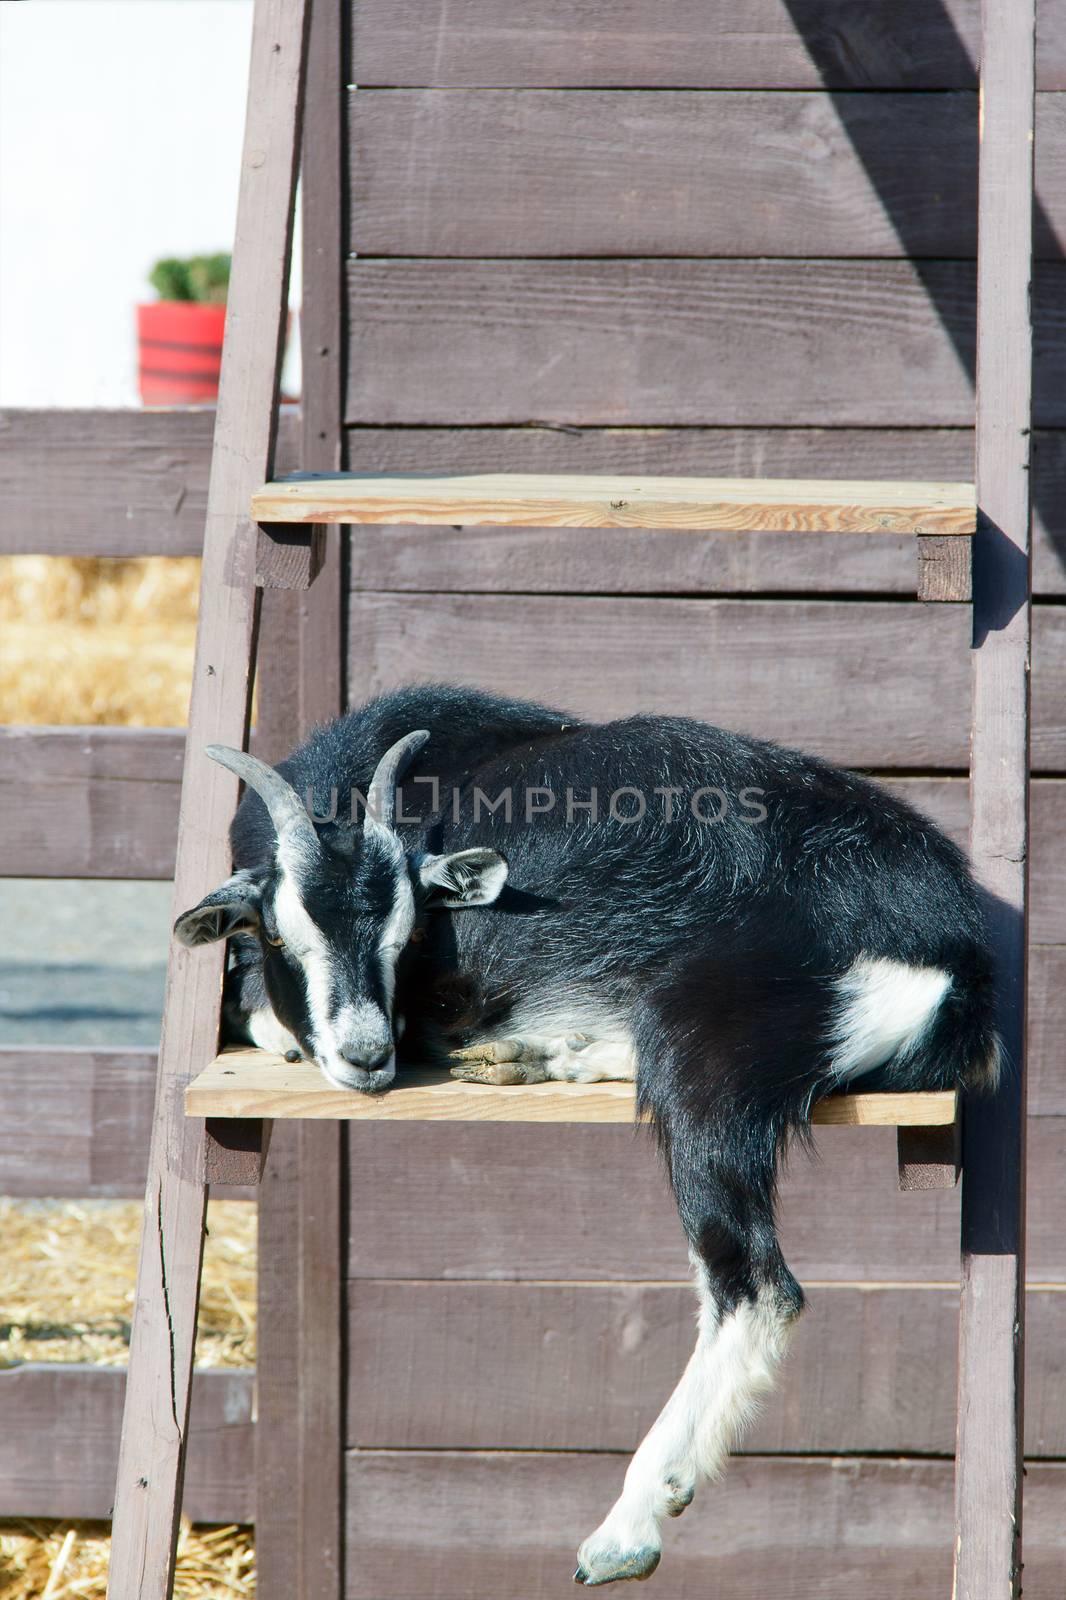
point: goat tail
(961, 1046)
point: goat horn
(287, 811)
(381, 796)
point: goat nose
(369, 1060)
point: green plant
(201, 278)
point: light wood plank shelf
(253, 1083)
(774, 505)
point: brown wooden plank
(155, 465)
(542, 1366)
(75, 1122)
(497, 1201)
(110, 483)
(89, 802)
(442, 1526)
(764, 667)
(1047, 1030)
(801, 44)
(148, 1489)
(799, 506)
(989, 1470)
(550, 559)
(248, 1083)
(757, 343)
(946, 801)
(770, 668)
(299, 1428)
(59, 1444)
(602, 173)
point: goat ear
(467, 878)
(231, 908)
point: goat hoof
(293, 1055)
(499, 1073)
(500, 1062)
(609, 1564)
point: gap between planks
(781, 505)
(255, 1083)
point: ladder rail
(155, 1418)
(988, 1482)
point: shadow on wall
(857, 47)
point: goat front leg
(569, 1058)
(738, 1347)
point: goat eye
(279, 944)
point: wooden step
(253, 1083)
(772, 505)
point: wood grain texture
(551, 1366)
(498, 1201)
(755, 343)
(59, 1445)
(602, 173)
(301, 1386)
(151, 1459)
(944, 571)
(545, 558)
(772, 668)
(766, 667)
(928, 1158)
(522, 499)
(154, 464)
(288, 557)
(245, 1083)
(111, 483)
(989, 1469)
(802, 44)
(74, 1122)
(299, 1430)
(89, 802)
(442, 1526)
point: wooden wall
(694, 237)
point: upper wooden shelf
(253, 1083)
(771, 505)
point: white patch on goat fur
(732, 1367)
(307, 944)
(265, 1031)
(360, 1019)
(397, 930)
(886, 1006)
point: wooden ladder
(211, 1121)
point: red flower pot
(180, 352)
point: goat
(740, 927)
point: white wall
(120, 137)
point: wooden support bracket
(929, 1158)
(288, 555)
(235, 1149)
(944, 568)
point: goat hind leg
(738, 1348)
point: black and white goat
(741, 928)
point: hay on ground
(41, 1560)
(70, 1270)
(97, 641)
